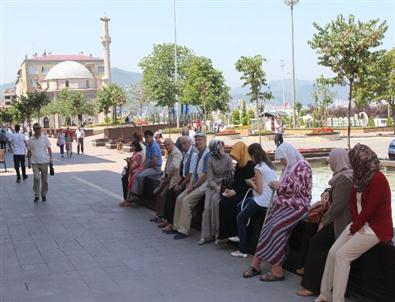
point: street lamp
(282, 65)
(291, 4)
(175, 63)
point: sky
(220, 30)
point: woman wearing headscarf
(234, 192)
(331, 224)
(219, 165)
(290, 205)
(370, 206)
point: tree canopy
(110, 96)
(73, 103)
(345, 47)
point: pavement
(81, 246)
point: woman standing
(290, 205)
(219, 165)
(136, 164)
(233, 195)
(331, 224)
(68, 138)
(370, 207)
(259, 202)
(61, 142)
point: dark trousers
(3, 145)
(80, 145)
(249, 210)
(170, 204)
(19, 160)
(61, 147)
(314, 265)
(124, 181)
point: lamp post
(282, 65)
(291, 4)
(176, 63)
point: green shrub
(371, 123)
(263, 132)
(390, 122)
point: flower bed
(322, 131)
(227, 132)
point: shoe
(170, 232)
(18, 180)
(44, 199)
(234, 239)
(303, 292)
(36, 199)
(239, 254)
(180, 236)
(24, 177)
(202, 241)
(163, 224)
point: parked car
(391, 150)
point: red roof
(64, 58)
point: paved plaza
(81, 246)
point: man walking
(19, 146)
(79, 136)
(39, 155)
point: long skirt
(276, 231)
(228, 216)
(314, 265)
(210, 221)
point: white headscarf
(339, 163)
(287, 151)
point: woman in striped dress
(290, 205)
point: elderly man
(152, 165)
(187, 168)
(39, 155)
(170, 177)
(195, 191)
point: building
(33, 73)
(8, 96)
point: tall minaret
(106, 41)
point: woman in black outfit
(231, 197)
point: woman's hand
(229, 193)
(274, 185)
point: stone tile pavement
(80, 246)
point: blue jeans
(249, 210)
(61, 147)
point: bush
(390, 122)
(263, 132)
(371, 123)
(107, 120)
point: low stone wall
(126, 131)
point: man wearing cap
(195, 191)
(39, 155)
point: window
(32, 69)
(100, 69)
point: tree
(322, 97)
(236, 117)
(108, 97)
(250, 115)
(73, 103)
(378, 84)
(205, 86)
(28, 106)
(159, 84)
(255, 77)
(137, 97)
(6, 116)
(344, 46)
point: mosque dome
(68, 70)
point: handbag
(51, 169)
(318, 209)
(227, 181)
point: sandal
(304, 292)
(251, 272)
(269, 277)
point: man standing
(19, 146)
(195, 191)
(152, 165)
(79, 136)
(39, 155)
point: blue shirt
(153, 149)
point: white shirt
(268, 175)
(18, 143)
(39, 149)
(192, 134)
(80, 133)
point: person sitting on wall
(170, 177)
(152, 166)
(187, 168)
(197, 186)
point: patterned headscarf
(215, 148)
(287, 151)
(365, 163)
(240, 153)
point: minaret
(106, 41)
